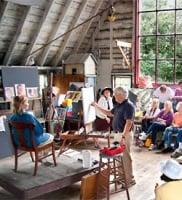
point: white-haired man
(123, 115)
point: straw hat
(107, 88)
(172, 169)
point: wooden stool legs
(113, 176)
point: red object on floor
(113, 151)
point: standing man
(123, 116)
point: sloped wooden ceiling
(25, 30)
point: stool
(113, 164)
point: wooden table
(70, 138)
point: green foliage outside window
(161, 49)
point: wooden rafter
(97, 29)
(87, 26)
(46, 50)
(3, 8)
(37, 33)
(14, 41)
(67, 36)
(27, 2)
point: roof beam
(66, 38)
(37, 33)
(46, 50)
(96, 31)
(3, 8)
(14, 41)
(87, 26)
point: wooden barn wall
(122, 30)
(62, 81)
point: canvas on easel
(89, 113)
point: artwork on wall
(32, 92)
(20, 89)
(89, 114)
(9, 93)
(74, 95)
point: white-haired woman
(175, 128)
(163, 120)
(150, 114)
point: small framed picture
(32, 92)
(9, 93)
(20, 89)
(56, 127)
(60, 113)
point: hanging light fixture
(111, 16)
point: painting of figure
(9, 93)
(32, 92)
(20, 89)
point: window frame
(137, 36)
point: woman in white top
(102, 122)
(150, 114)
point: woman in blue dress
(21, 114)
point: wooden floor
(146, 171)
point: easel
(50, 110)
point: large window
(160, 40)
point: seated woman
(21, 115)
(173, 129)
(163, 120)
(150, 114)
(172, 175)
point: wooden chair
(20, 128)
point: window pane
(165, 71)
(147, 5)
(165, 47)
(166, 4)
(148, 25)
(178, 3)
(166, 22)
(179, 47)
(147, 68)
(179, 21)
(178, 71)
(147, 47)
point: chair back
(18, 129)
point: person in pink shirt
(175, 128)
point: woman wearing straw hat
(102, 122)
(172, 175)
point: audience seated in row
(162, 120)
